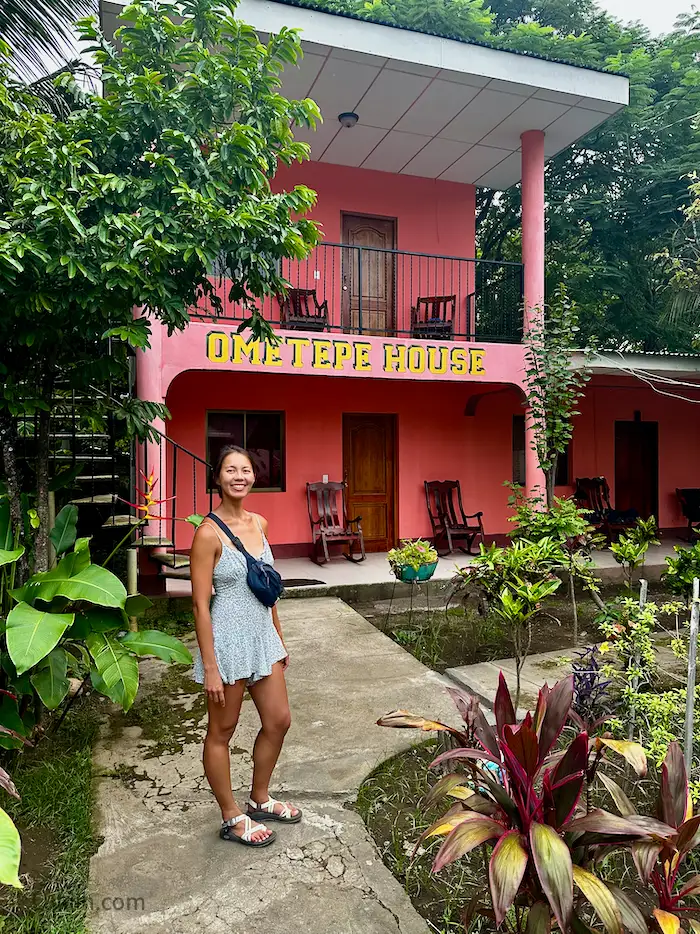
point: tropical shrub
(530, 808)
(592, 701)
(512, 582)
(72, 619)
(681, 570)
(631, 547)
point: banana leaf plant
(519, 795)
(10, 844)
(74, 619)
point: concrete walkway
(159, 821)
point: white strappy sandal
(267, 812)
(250, 828)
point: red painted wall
(436, 441)
(433, 216)
(610, 399)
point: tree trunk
(8, 457)
(41, 542)
(549, 476)
(574, 608)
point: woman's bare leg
(222, 724)
(270, 698)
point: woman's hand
(285, 660)
(214, 687)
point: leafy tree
(39, 30)
(128, 202)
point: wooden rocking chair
(593, 493)
(329, 522)
(433, 317)
(449, 521)
(300, 310)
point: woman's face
(236, 476)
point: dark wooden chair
(300, 310)
(448, 519)
(689, 500)
(433, 317)
(329, 521)
(593, 494)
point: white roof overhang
(428, 106)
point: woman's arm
(275, 614)
(205, 550)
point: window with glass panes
(260, 433)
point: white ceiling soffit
(436, 108)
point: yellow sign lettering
(322, 355)
(218, 348)
(272, 355)
(249, 349)
(459, 363)
(476, 361)
(343, 352)
(297, 344)
(416, 359)
(394, 358)
(439, 365)
(362, 360)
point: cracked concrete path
(161, 866)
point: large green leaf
(50, 680)
(10, 852)
(553, 864)
(601, 898)
(624, 805)
(154, 642)
(137, 604)
(116, 666)
(31, 634)
(93, 584)
(506, 871)
(9, 557)
(64, 532)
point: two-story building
(400, 358)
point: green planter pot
(407, 574)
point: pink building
(400, 358)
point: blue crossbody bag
(263, 579)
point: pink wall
(435, 441)
(610, 399)
(433, 216)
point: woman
(240, 645)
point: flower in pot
(414, 560)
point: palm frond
(39, 32)
(683, 307)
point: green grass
(55, 819)
(390, 802)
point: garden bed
(54, 818)
(448, 635)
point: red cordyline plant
(530, 802)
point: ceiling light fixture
(348, 119)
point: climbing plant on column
(554, 387)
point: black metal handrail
(371, 290)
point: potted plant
(413, 561)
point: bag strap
(227, 531)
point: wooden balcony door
(369, 275)
(370, 473)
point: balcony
(392, 293)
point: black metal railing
(366, 290)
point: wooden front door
(637, 467)
(368, 274)
(369, 467)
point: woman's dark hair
(223, 454)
